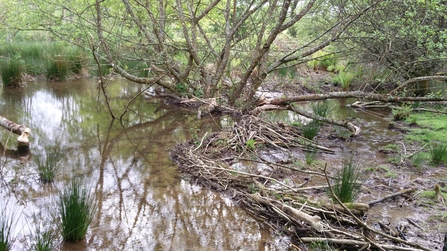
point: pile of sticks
(215, 162)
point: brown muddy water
(142, 202)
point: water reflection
(142, 202)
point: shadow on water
(143, 204)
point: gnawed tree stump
(22, 130)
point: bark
(21, 130)
(354, 94)
(11, 126)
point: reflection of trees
(142, 205)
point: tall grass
(76, 207)
(44, 239)
(56, 61)
(348, 182)
(8, 220)
(438, 153)
(47, 167)
(311, 129)
(12, 72)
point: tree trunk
(21, 130)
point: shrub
(347, 184)
(76, 209)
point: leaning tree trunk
(21, 130)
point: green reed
(76, 207)
(348, 182)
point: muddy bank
(262, 166)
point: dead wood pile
(236, 162)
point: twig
(402, 192)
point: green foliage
(250, 144)
(181, 89)
(12, 72)
(348, 182)
(311, 129)
(57, 61)
(402, 112)
(418, 159)
(198, 93)
(252, 188)
(76, 209)
(431, 127)
(438, 153)
(419, 25)
(344, 78)
(323, 61)
(58, 68)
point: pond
(143, 204)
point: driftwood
(23, 131)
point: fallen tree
(22, 130)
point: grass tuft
(348, 182)
(45, 239)
(12, 72)
(76, 208)
(311, 129)
(8, 220)
(48, 169)
(438, 153)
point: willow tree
(210, 48)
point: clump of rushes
(322, 108)
(348, 182)
(47, 169)
(12, 72)
(44, 239)
(438, 153)
(76, 207)
(8, 219)
(310, 156)
(311, 129)
(58, 68)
